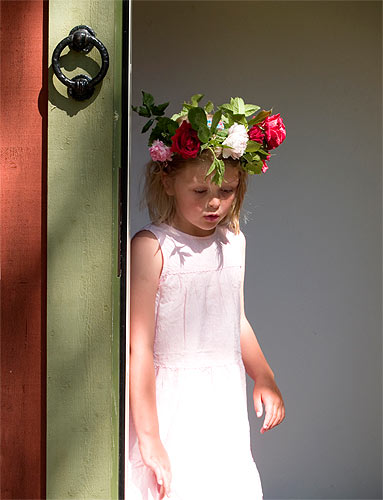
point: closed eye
(225, 191)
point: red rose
(185, 141)
(275, 130)
(256, 134)
(265, 167)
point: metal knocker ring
(81, 38)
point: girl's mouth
(211, 217)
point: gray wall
(313, 278)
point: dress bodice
(197, 307)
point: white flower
(237, 139)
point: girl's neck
(198, 233)
(185, 226)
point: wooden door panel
(23, 248)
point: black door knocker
(81, 38)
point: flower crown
(226, 133)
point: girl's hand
(266, 391)
(156, 458)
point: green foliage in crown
(232, 131)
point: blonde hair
(161, 206)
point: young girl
(190, 340)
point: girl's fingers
(157, 471)
(161, 488)
(161, 492)
(163, 480)
(269, 416)
(258, 406)
(278, 418)
(274, 418)
(167, 485)
(167, 479)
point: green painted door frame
(84, 275)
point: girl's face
(200, 203)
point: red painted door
(23, 100)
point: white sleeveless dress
(200, 376)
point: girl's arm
(146, 264)
(254, 360)
(265, 390)
(252, 355)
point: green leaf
(240, 119)
(263, 152)
(197, 117)
(226, 107)
(253, 168)
(253, 146)
(213, 143)
(250, 109)
(219, 172)
(147, 125)
(255, 158)
(230, 121)
(203, 133)
(159, 110)
(219, 167)
(178, 115)
(187, 106)
(224, 119)
(172, 127)
(164, 130)
(228, 113)
(144, 111)
(195, 99)
(211, 168)
(222, 132)
(209, 107)
(215, 120)
(238, 106)
(147, 99)
(260, 117)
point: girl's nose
(214, 202)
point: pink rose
(256, 134)
(274, 129)
(159, 151)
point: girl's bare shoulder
(146, 255)
(144, 234)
